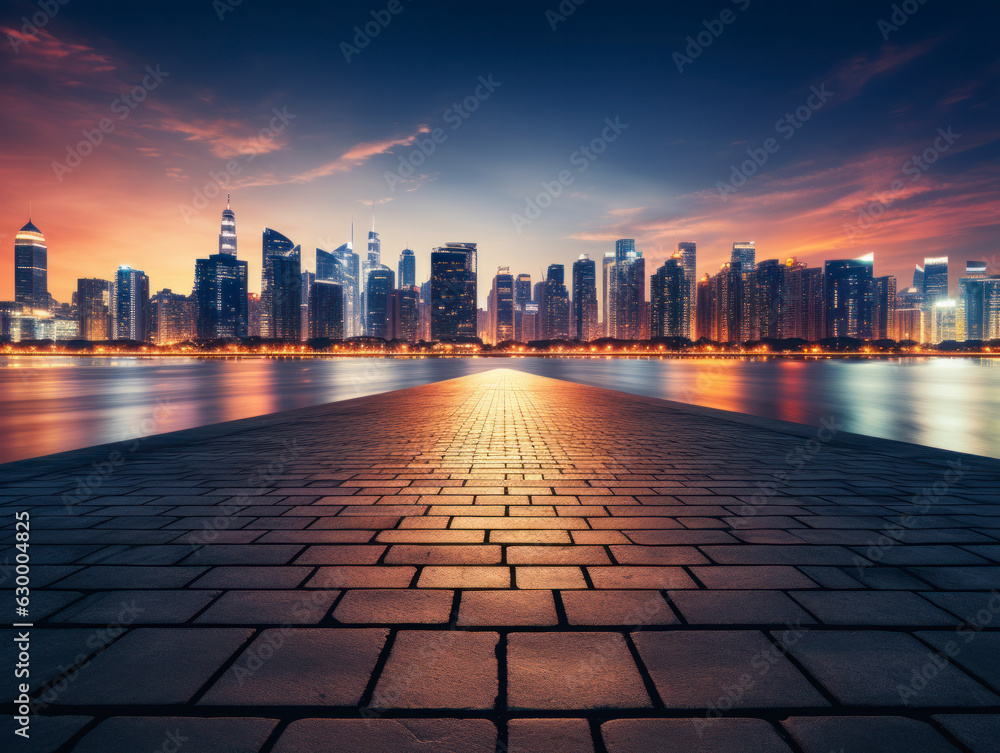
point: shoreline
(643, 355)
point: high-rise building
(253, 315)
(745, 253)
(227, 236)
(284, 304)
(803, 305)
(173, 317)
(629, 296)
(918, 278)
(93, 308)
(404, 314)
(221, 295)
(454, 314)
(130, 305)
(607, 285)
(276, 246)
(381, 281)
(668, 290)
(943, 320)
(585, 323)
(935, 281)
(726, 293)
(624, 247)
(350, 271)
(766, 290)
(407, 269)
(703, 315)
(522, 297)
(884, 311)
(308, 280)
(689, 260)
(326, 310)
(327, 266)
(978, 304)
(554, 310)
(502, 320)
(31, 269)
(850, 295)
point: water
(55, 404)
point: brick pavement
(507, 562)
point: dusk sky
(350, 122)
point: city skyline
(885, 134)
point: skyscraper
(623, 247)
(884, 313)
(130, 305)
(453, 292)
(703, 317)
(326, 310)
(627, 293)
(802, 303)
(327, 266)
(667, 292)
(767, 300)
(404, 310)
(745, 252)
(607, 284)
(31, 269)
(850, 295)
(283, 306)
(522, 297)
(173, 317)
(978, 304)
(93, 302)
(555, 305)
(350, 271)
(274, 246)
(221, 295)
(381, 281)
(918, 278)
(935, 281)
(585, 324)
(227, 237)
(407, 269)
(689, 260)
(308, 280)
(502, 324)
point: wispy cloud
(359, 154)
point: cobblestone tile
(692, 736)
(300, 667)
(566, 671)
(381, 735)
(430, 669)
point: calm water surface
(54, 404)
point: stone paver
(506, 562)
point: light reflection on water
(54, 404)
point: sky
(541, 131)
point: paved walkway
(505, 562)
